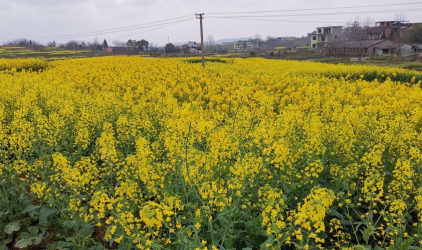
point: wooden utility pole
(201, 16)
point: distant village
(386, 37)
(354, 39)
(383, 37)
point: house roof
(357, 44)
(191, 44)
(330, 27)
(377, 29)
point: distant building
(249, 45)
(325, 35)
(365, 47)
(417, 49)
(191, 47)
(237, 45)
(386, 29)
(122, 50)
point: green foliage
(142, 45)
(416, 34)
(199, 60)
(105, 44)
(170, 48)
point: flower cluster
(245, 154)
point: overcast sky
(50, 20)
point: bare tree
(23, 42)
(356, 30)
(210, 42)
(400, 17)
(401, 35)
(257, 40)
(96, 43)
(118, 43)
(354, 35)
(51, 44)
(73, 45)
(153, 45)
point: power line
(325, 14)
(314, 9)
(112, 32)
(115, 30)
(154, 28)
(276, 20)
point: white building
(237, 45)
(192, 47)
(326, 35)
(249, 45)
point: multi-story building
(388, 29)
(237, 45)
(325, 35)
(249, 45)
(192, 47)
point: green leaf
(33, 230)
(336, 213)
(31, 210)
(22, 243)
(322, 235)
(247, 248)
(63, 245)
(7, 241)
(38, 239)
(12, 227)
(44, 213)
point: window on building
(323, 38)
(314, 38)
(319, 31)
(335, 36)
(313, 45)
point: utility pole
(201, 16)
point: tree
(270, 39)
(153, 45)
(105, 45)
(400, 17)
(142, 45)
(169, 48)
(51, 44)
(210, 42)
(70, 45)
(401, 36)
(118, 43)
(257, 41)
(356, 30)
(131, 43)
(96, 42)
(416, 34)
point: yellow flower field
(139, 153)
